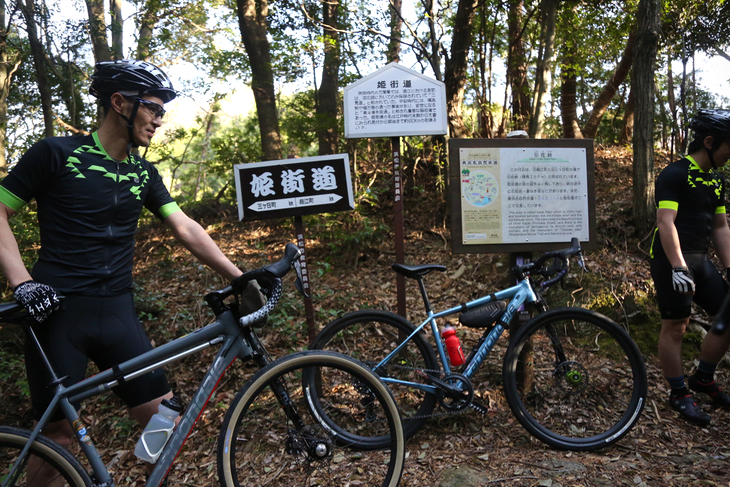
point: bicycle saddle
(416, 271)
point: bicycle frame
(519, 294)
(234, 342)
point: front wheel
(575, 379)
(369, 336)
(273, 436)
(48, 463)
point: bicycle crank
(455, 392)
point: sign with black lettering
(395, 101)
(294, 187)
(520, 195)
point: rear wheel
(273, 436)
(49, 463)
(368, 336)
(575, 379)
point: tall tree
(455, 74)
(97, 30)
(517, 66)
(39, 61)
(327, 102)
(642, 77)
(599, 107)
(7, 67)
(252, 21)
(117, 29)
(548, 9)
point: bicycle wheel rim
(588, 399)
(368, 336)
(259, 446)
(56, 462)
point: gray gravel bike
(271, 435)
(572, 377)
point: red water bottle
(453, 346)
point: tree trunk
(327, 135)
(434, 56)
(568, 104)
(544, 65)
(97, 29)
(627, 130)
(39, 61)
(517, 67)
(643, 87)
(252, 23)
(147, 22)
(396, 28)
(456, 66)
(676, 138)
(5, 76)
(117, 29)
(604, 99)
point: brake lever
(581, 262)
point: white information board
(395, 101)
(517, 195)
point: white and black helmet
(130, 77)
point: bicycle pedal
(481, 408)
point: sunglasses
(154, 108)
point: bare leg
(670, 346)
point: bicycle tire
(12, 442)
(586, 400)
(368, 336)
(258, 444)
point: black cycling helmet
(132, 79)
(714, 123)
(130, 76)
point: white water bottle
(158, 430)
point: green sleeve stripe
(169, 209)
(670, 205)
(10, 200)
(719, 210)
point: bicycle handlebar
(537, 267)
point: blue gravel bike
(572, 377)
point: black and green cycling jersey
(88, 208)
(697, 196)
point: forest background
(623, 73)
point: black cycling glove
(39, 299)
(682, 280)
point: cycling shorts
(103, 329)
(710, 287)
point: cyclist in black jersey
(90, 191)
(691, 214)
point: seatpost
(422, 287)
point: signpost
(393, 102)
(295, 187)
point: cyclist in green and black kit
(90, 191)
(691, 213)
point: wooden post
(308, 306)
(525, 365)
(398, 224)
